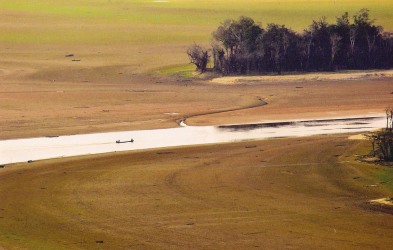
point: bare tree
(352, 38)
(387, 43)
(198, 56)
(335, 44)
(373, 138)
(382, 141)
(308, 41)
(370, 42)
(389, 118)
(277, 56)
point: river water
(21, 150)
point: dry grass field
(70, 67)
(288, 193)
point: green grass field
(129, 27)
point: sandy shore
(336, 76)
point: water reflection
(22, 150)
(307, 123)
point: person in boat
(118, 141)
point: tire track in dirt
(260, 103)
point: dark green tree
(243, 46)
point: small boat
(118, 141)
(52, 136)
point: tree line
(244, 47)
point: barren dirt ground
(291, 193)
(68, 97)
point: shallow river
(21, 150)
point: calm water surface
(20, 150)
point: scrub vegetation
(382, 141)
